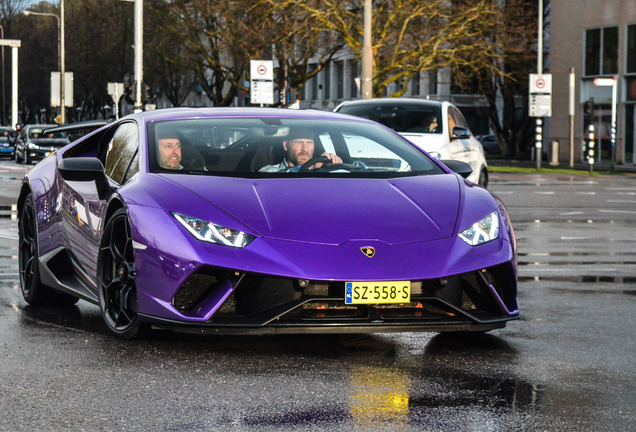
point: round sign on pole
(261, 70)
(540, 83)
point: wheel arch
(114, 205)
(484, 171)
(24, 191)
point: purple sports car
(235, 220)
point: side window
(452, 122)
(461, 120)
(121, 150)
(133, 169)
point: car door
(465, 148)
(87, 209)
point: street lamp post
(367, 52)
(3, 98)
(60, 58)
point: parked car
(438, 128)
(364, 232)
(490, 144)
(34, 144)
(7, 142)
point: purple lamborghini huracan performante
(235, 220)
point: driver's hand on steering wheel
(333, 159)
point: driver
(300, 149)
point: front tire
(483, 178)
(117, 278)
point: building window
(339, 79)
(631, 48)
(601, 51)
(314, 84)
(327, 82)
(353, 75)
(432, 82)
(415, 84)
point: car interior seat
(191, 159)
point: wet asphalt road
(567, 365)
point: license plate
(380, 292)
(46, 154)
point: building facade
(597, 38)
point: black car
(7, 141)
(490, 144)
(35, 143)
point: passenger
(427, 124)
(169, 148)
(300, 147)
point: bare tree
(297, 42)
(214, 43)
(409, 36)
(9, 9)
(505, 83)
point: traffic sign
(541, 83)
(604, 82)
(262, 82)
(540, 98)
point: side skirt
(60, 271)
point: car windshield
(40, 133)
(265, 147)
(401, 117)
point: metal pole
(14, 85)
(539, 127)
(572, 111)
(613, 136)
(139, 42)
(367, 53)
(540, 40)
(62, 67)
(3, 91)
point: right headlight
(213, 233)
(482, 231)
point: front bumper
(39, 154)
(7, 151)
(245, 303)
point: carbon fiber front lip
(328, 327)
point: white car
(438, 128)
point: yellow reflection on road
(379, 393)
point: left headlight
(482, 231)
(209, 232)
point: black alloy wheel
(117, 278)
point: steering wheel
(313, 161)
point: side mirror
(460, 133)
(85, 169)
(459, 167)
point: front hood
(333, 211)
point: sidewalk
(545, 165)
